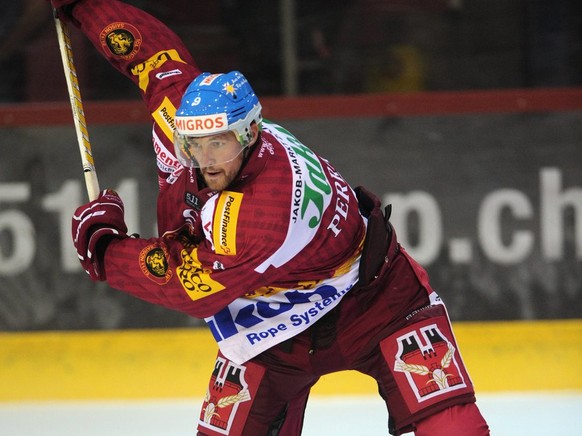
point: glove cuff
(96, 248)
(65, 11)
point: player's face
(220, 158)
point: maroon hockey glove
(94, 225)
(64, 9)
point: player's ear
(255, 132)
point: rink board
(176, 363)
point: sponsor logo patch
(202, 124)
(154, 62)
(196, 280)
(164, 117)
(121, 39)
(225, 222)
(192, 201)
(166, 161)
(153, 261)
(207, 81)
(165, 74)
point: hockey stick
(77, 107)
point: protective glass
(206, 151)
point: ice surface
(508, 414)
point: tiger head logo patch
(153, 261)
(121, 39)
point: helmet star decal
(229, 89)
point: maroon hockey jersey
(264, 259)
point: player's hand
(94, 225)
(64, 9)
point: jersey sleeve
(156, 60)
(169, 273)
(242, 236)
(202, 279)
(140, 46)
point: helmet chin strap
(247, 153)
(251, 144)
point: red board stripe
(344, 106)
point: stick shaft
(66, 49)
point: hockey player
(296, 274)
